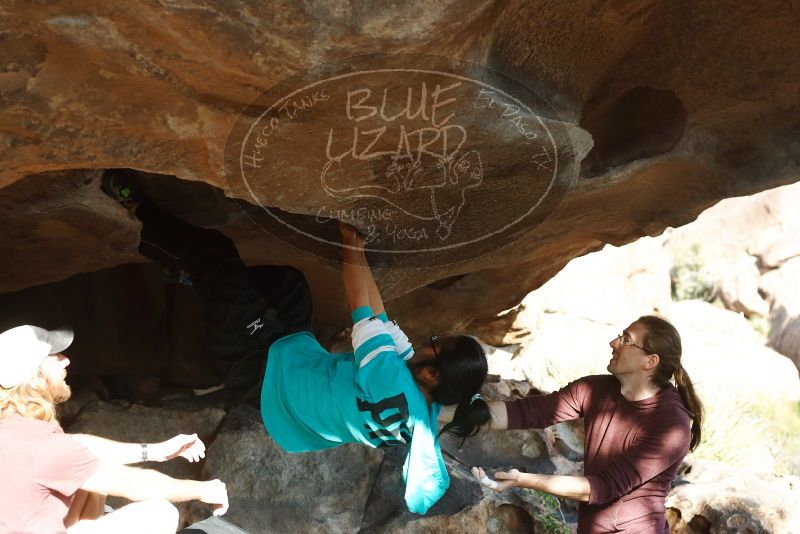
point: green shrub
(548, 515)
(690, 278)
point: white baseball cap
(24, 348)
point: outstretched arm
(188, 446)
(359, 285)
(140, 484)
(497, 409)
(375, 301)
(569, 487)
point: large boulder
(274, 491)
(763, 226)
(715, 498)
(635, 281)
(751, 236)
(738, 287)
(780, 286)
(751, 262)
(727, 356)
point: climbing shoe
(122, 186)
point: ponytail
(468, 419)
(462, 369)
(663, 339)
(692, 403)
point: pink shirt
(632, 449)
(41, 468)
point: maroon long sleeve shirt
(632, 449)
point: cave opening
(639, 123)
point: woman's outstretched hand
(188, 446)
(503, 482)
(215, 493)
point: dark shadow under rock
(640, 123)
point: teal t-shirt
(312, 399)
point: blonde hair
(35, 399)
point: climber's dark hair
(462, 367)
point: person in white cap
(56, 483)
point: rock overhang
(159, 90)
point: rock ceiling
(658, 109)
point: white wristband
(488, 482)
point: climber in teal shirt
(258, 321)
(382, 394)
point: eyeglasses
(428, 361)
(432, 342)
(626, 340)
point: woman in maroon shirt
(639, 427)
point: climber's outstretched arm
(359, 285)
(356, 269)
(375, 301)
